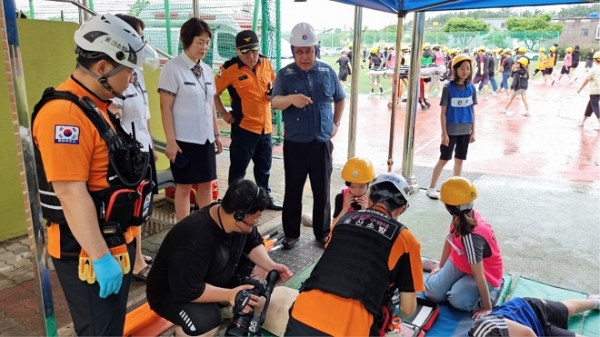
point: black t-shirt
(507, 63)
(350, 53)
(196, 251)
(343, 61)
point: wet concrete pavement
(538, 180)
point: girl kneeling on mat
(470, 269)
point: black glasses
(247, 50)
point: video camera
(244, 324)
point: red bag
(170, 193)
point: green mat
(586, 323)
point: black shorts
(458, 144)
(548, 71)
(552, 315)
(565, 70)
(427, 80)
(343, 74)
(201, 166)
(593, 106)
(574, 65)
(194, 318)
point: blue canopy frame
(405, 6)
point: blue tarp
(396, 6)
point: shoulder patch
(289, 71)
(230, 62)
(66, 134)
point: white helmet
(109, 35)
(303, 35)
(398, 193)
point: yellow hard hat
(358, 170)
(461, 57)
(542, 50)
(507, 50)
(522, 50)
(425, 46)
(457, 191)
(552, 49)
(569, 50)
(523, 60)
(597, 55)
(515, 48)
(350, 45)
(374, 50)
(452, 51)
(480, 48)
(445, 48)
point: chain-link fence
(334, 41)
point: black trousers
(246, 146)
(313, 159)
(92, 315)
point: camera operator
(193, 271)
(368, 257)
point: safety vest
(128, 200)
(355, 263)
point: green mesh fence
(163, 20)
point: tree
(578, 11)
(495, 38)
(465, 29)
(533, 30)
(436, 37)
(136, 8)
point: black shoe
(289, 243)
(323, 240)
(273, 206)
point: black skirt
(201, 166)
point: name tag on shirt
(459, 102)
(189, 83)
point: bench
(142, 321)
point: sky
(322, 14)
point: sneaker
(595, 298)
(494, 93)
(553, 81)
(503, 110)
(597, 128)
(485, 98)
(432, 193)
(526, 114)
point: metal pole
(356, 46)
(195, 8)
(168, 27)
(24, 148)
(31, 10)
(396, 81)
(255, 15)
(412, 99)
(279, 137)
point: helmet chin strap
(104, 79)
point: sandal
(141, 275)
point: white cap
(107, 34)
(303, 35)
(399, 183)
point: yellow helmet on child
(542, 50)
(522, 50)
(552, 49)
(461, 57)
(457, 191)
(358, 170)
(569, 50)
(597, 55)
(524, 61)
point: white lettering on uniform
(459, 102)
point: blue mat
(454, 322)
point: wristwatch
(336, 123)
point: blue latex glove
(109, 275)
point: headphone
(240, 216)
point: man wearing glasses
(248, 78)
(198, 266)
(312, 100)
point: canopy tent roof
(399, 6)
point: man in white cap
(312, 100)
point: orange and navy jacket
(72, 150)
(248, 90)
(338, 316)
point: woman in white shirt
(135, 117)
(186, 88)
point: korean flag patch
(66, 134)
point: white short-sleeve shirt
(594, 77)
(193, 107)
(135, 109)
